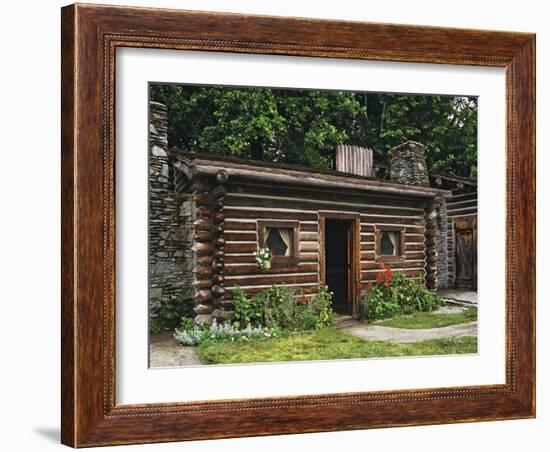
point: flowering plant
(392, 294)
(263, 257)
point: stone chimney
(408, 164)
(170, 220)
(354, 160)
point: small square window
(390, 243)
(279, 241)
(282, 238)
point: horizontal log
(367, 227)
(203, 225)
(240, 247)
(240, 236)
(204, 249)
(368, 256)
(465, 211)
(367, 238)
(251, 259)
(337, 196)
(410, 221)
(203, 236)
(253, 269)
(309, 247)
(234, 213)
(204, 211)
(367, 246)
(309, 227)
(300, 201)
(236, 225)
(461, 203)
(272, 279)
(414, 238)
(414, 247)
(309, 237)
(203, 296)
(200, 284)
(415, 256)
(404, 264)
(205, 260)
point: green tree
(304, 126)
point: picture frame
(90, 36)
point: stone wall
(408, 164)
(171, 217)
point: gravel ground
(402, 335)
(164, 351)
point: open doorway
(338, 263)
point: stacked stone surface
(408, 164)
(170, 220)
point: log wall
(245, 205)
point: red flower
(379, 277)
(387, 278)
(303, 298)
(369, 286)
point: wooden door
(338, 264)
(465, 230)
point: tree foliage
(304, 126)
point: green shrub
(320, 305)
(281, 307)
(393, 294)
(155, 327)
(248, 311)
(171, 311)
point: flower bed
(394, 294)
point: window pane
(279, 241)
(389, 243)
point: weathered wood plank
(240, 236)
(405, 264)
(268, 279)
(240, 247)
(253, 269)
(309, 237)
(309, 247)
(239, 225)
(414, 247)
(234, 213)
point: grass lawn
(421, 320)
(325, 344)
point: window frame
(279, 261)
(400, 255)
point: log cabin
(210, 214)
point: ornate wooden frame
(90, 36)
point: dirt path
(164, 351)
(402, 335)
